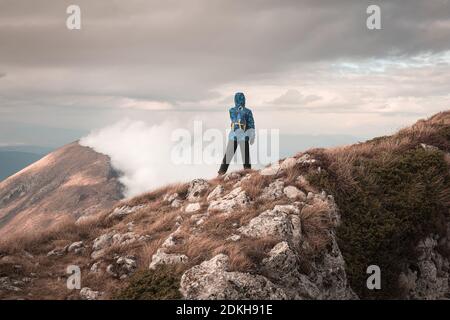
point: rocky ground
(273, 206)
(266, 234)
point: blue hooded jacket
(241, 119)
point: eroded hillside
(304, 228)
(71, 182)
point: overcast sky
(306, 66)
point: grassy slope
(391, 193)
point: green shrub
(160, 284)
(396, 200)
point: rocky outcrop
(102, 243)
(89, 294)
(280, 222)
(124, 211)
(160, 257)
(192, 207)
(197, 188)
(429, 277)
(122, 268)
(294, 193)
(237, 198)
(280, 275)
(273, 191)
(211, 280)
(217, 192)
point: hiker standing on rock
(242, 133)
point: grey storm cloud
(180, 50)
(143, 56)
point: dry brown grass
(157, 194)
(255, 184)
(202, 242)
(316, 223)
(67, 230)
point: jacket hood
(239, 100)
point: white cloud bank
(142, 153)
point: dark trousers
(232, 145)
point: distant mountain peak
(68, 183)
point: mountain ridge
(55, 187)
(306, 227)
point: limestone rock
(192, 207)
(124, 211)
(171, 240)
(57, 252)
(273, 191)
(231, 176)
(9, 285)
(275, 222)
(95, 268)
(76, 247)
(176, 203)
(89, 294)
(293, 192)
(235, 199)
(271, 170)
(160, 257)
(288, 163)
(430, 277)
(306, 159)
(282, 266)
(428, 147)
(211, 280)
(170, 197)
(197, 188)
(234, 237)
(329, 274)
(105, 241)
(217, 192)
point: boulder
(57, 252)
(293, 192)
(76, 247)
(192, 207)
(197, 188)
(95, 268)
(235, 199)
(211, 280)
(273, 191)
(271, 170)
(89, 294)
(217, 192)
(306, 159)
(171, 240)
(282, 267)
(160, 257)
(231, 176)
(176, 203)
(328, 274)
(103, 241)
(429, 277)
(124, 211)
(169, 197)
(272, 223)
(9, 285)
(288, 163)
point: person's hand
(252, 140)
